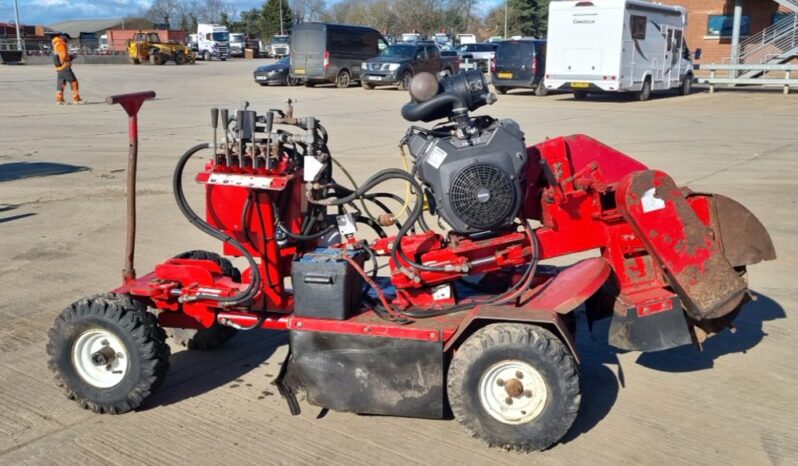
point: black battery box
(326, 286)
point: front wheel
(515, 386)
(404, 83)
(541, 90)
(156, 59)
(368, 86)
(206, 56)
(289, 81)
(181, 59)
(108, 353)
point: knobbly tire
(514, 386)
(108, 353)
(212, 337)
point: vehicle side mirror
(697, 54)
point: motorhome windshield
(220, 36)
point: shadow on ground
(749, 332)
(9, 207)
(21, 170)
(193, 373)
(600, 385)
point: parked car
(520, 64)
(331, 53)
(476, 56)
(275, 74)
(397, 64)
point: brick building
(710, 24)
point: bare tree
(307, 10)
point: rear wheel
(206, 56)
(687, 85)
(343, 80)
(645, 92)
(217, 335)
(135, 61)
(580, 95)
(310, 84)
(515, 386)
(108, 353)
(501, 90)
(156, 59)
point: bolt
(299, 324)
(519, 375)
(433, 335)
(108, 367)
(528, 393)
(509, 400)
(119, 355)
(104, 342)
(500, 382)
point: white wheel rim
(513, 392)
(100, 358)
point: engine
(472, 167)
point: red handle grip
(130, 102)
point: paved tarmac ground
(62, 172)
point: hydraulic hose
(177, 186)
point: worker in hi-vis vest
(63, 66)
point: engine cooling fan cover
(483, 196)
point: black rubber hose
(177, 186)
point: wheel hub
(513, 392)
(100, 358)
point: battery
(326, 286)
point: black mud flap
(367, 374)
(657, 331)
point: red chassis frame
(660, 246)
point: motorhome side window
(638, 27)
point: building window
(721, 25)
(638, 24)
(780, 16)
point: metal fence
(786, 80)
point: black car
(275, 74)
(396, 65)
(520, 64)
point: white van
(617, 46)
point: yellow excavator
(147, 46)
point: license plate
(580, 85)
(299, 70)
(375, 78)
(261, 78)
(505, 75)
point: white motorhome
(213, 41)
(617, 46)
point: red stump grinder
(423, 318)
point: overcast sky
(51, 11)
